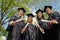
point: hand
(11, 22)
(53, 21)
(23, 30)
(49, 22)
(42, 30)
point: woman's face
(29, 19)
(39, 15)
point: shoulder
(12, 18)
(56, 13)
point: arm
(56, 18)
(41, 29)
(24, 28)
(9, 24)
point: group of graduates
(35, 27)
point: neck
(29, 22)
(19, 16)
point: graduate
(15, 26)
(42, 24)
(54, 17)
(30, 29)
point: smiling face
(48, 11)
(39, 15)
(21, 13)
(30, 18)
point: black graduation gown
(48, 29)
(56, 16)
(16, 35)
(51, 33)
(54, 30)
(10, 28)
(43, 25)
(31, 32)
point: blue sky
(54, 3)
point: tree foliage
(9, 7)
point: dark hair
(50, 7)
(42, 17)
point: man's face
(39, 15)
(30, 19)
(48, 10)
(21, 13)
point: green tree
(9, 7)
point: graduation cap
(39, 10)
(29, 15)
(47, 7)
(21, 9)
